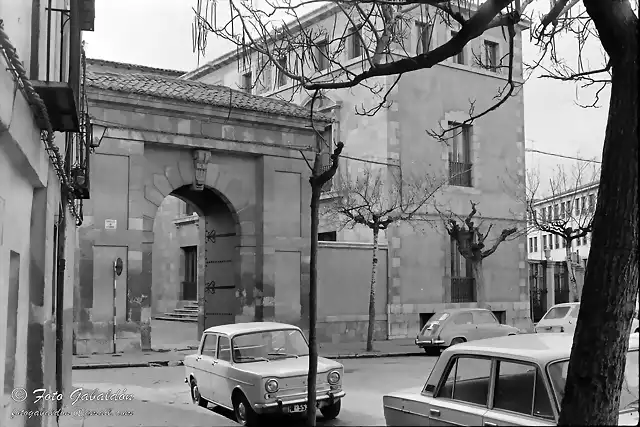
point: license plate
(298, 408)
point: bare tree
(377, 198)
(470, 243)
(320, 175)
(274, 30)
(570, 215)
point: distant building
(576, 205)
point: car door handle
(198, 358)
(215, 362)
(434, 412)
(490, 424)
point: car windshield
(557, 313)
(269, 345)
(629, 394)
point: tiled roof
(197, 92)
(140, 68)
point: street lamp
(97, 132)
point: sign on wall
(110, 224)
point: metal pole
(114, 305)
(48, 39)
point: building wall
(421, 101)
(29, 208)
(344, 283)
(150, 144)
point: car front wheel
(331, 411)
(245, 415)
(195, 395)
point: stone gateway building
(236, 158)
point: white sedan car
(563, 318)
(259, 368)
(508, 381)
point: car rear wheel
(457, 341)
(195, 395)
(245, 415)
(331, 411)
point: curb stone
(174, 363)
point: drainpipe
(59, 296)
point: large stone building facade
(44, 156)
(424, 271)
(236, 158)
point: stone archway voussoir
(186, 171)
(154, 196)
(161, 182)
(174, 177)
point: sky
(158, 33)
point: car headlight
(333, 377)
(271, 386)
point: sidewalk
(170, 352)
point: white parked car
(559, 318)
(507, 381)
(260, 368)
(563, 318)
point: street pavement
(161, 398)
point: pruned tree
(377, 198)
(470, 243)
(274, 31)
(570, 214)
(321, 174)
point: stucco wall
(344, 283)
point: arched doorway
(195, 266)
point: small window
(592, 203)
(463, 319)
(355, 44)
(584, 239)
(247, 82)
(544, 242)
(530, 244)
(577, 208)
(467, 381)
(557, 241)
(282, 78)
(328, 236)
(224, 349)
(484, 318)
(322, 55)
(209, 345)
(549, 216)
(557, 313)
(459, 58)
(535, 244)
(568, 209)
(491, 55)
(556, 211)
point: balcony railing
(463, 289)
(460, 174)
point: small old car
(516, 381)
(559, 318)
(260, 368)
(564, 317)
(459, 325)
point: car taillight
(561, 328)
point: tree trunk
(372, 291)
(572, 272)
(600, 343)
(313, 308)
(478, 275)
